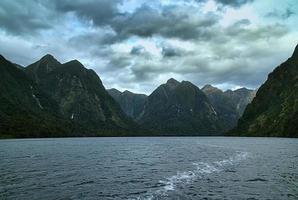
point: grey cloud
(137, 50)
(234, 3)
(242, 22)
(117, 62)
(100, 12)
(239, 54)
(259, 33)
(282, 15)
(171, 21)
(170, 52)
(22, 18)
(98, 37)
(145, 21)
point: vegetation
(274, 110)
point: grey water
(149, 168)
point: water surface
(149, 168)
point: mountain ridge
(66, 99)
(274, 110)
(66, 93)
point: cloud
(100, 12)
(169, 52)
(137, 50)
(137, 44)
(21, 18)
(172, 21)
(234, 3)
(146, 21)
(282, 15)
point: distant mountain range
(51, 99)
(181, 108)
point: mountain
(241, 98)
(132, 104)
(25, 111)
(80, 95)
(223, 105)
(50, 99)
(179, 108)
(229, 104)
(274, 110)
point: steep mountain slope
(179, 108)
(240, 98)
(132, 104)
(223, 105)
(80, 95)
(25, 111)
(274, 110)
(229, 104)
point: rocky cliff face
(131, 103)
(179, 108)
(48, 98)
(240, 98)
(79, 93)
(229, 104)
(274, 110)
(25, 110)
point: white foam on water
(219, 146)
(180, 177)
(201, 169)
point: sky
(137, 45)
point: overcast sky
(139, 44)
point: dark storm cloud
(20, 18)
(234, 3)
(100, 12)
(171, 21)
(168, 21)
(145, 21)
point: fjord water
(149, 168)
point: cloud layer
(137, 45)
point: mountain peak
(2, 57)
(210, 89)
(295, 53)
(75, 62)
(48, 58)
(172, 81)
(43, 66)
(127, 92)
(243, 89)
(114, 90)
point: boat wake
(200, 169)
